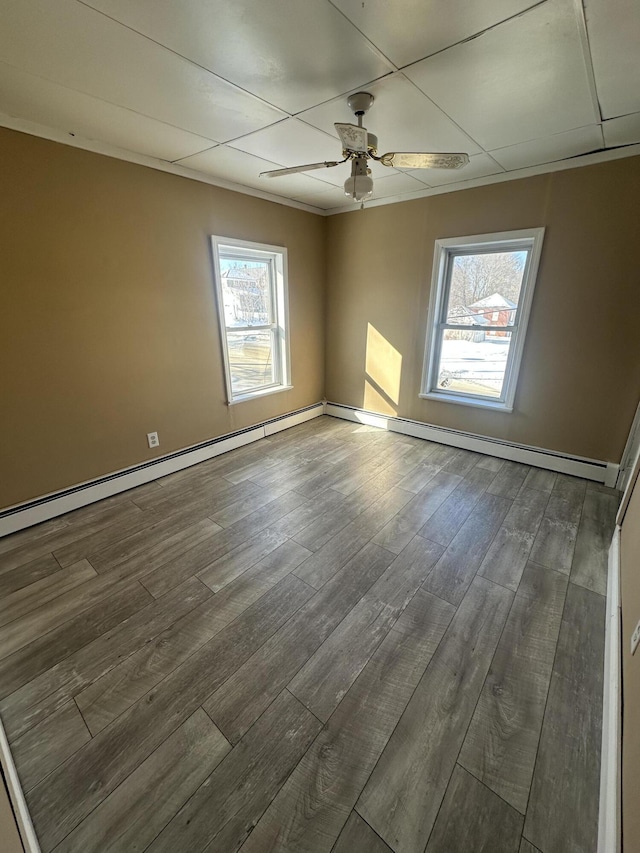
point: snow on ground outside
(482, 362)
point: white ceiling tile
(614, 38)
(408, 30)
(402, 118)
(335, 176)
(479, 166)
(78, 47)
(291, 143)
(347, 203)
(232, 165)
(325, 199)
(292, 54)
(523, 79)
(396, 184)
(624, 130)
(24, 96)
(550, 148)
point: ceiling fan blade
(277, 173)
(353, 137)
(418, 160)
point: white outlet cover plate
(152, 439)
(635, 638)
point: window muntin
(252, 309)
(482, 289)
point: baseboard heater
(610, 815)
(57, 503)
(577, 466)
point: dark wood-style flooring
(336, 639)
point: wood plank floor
(336, 639)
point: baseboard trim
(49, 506)
(18, 803)
(609, 822)
(577, 466)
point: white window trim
(530, 238)
(278, 256)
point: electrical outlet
(152, 439)
(635, 638)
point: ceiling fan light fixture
(358, 187)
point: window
(481, 289)
(251, 283)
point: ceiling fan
(358, 145)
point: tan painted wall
(580, 377)
(630, 596)
(9, 835)
(108, 326)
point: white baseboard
(609, 823)
(295, 418)
(18, 804)
(589, 469)
(49, 506)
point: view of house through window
(483, 296)
(479, 319)
(251, 299)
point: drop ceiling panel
(624, 130)
(521, 80)
(326, 199)
(408, 30)
(291, 143)
(24, 96)
(479, 166)
(77, 47)
(402, 117)
(550, 148)
(292, 54)
(396, 184)
(230, 164)
(614, 37)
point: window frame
(529, 239)
(276, 256)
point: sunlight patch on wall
(383, 367)
(375, 402)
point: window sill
(253, 395)
(461, 400)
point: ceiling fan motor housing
(360, 166)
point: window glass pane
(251, 362)
(485, 288)
(246, 292)
(473, 362)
